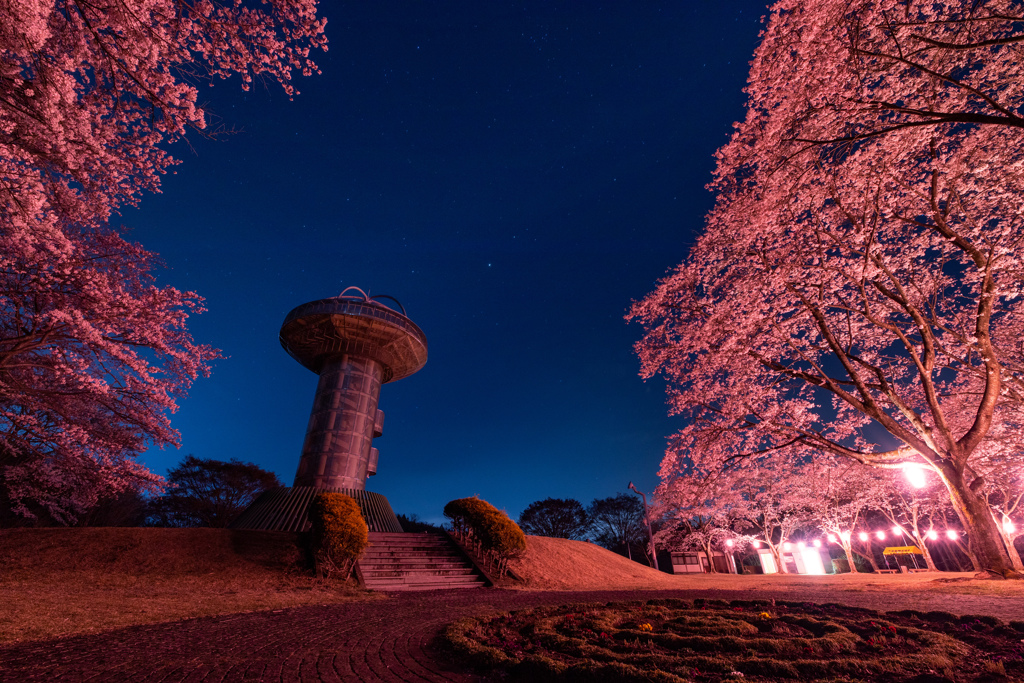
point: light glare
(881, 535)
(952, 535)
(915, 475)
(862, 536)
(933, 535)
(817, 543)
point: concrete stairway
(408, 562)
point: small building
(696, 562)
(809, 560)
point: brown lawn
(58, 582)
(558, 564)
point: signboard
(903, 550)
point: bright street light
(831, 538)
(952, 535)
(862, 536)
(915, 475)
(932, 535)
(897, 531)
(817, 543)
(881, 535)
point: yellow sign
(903, 550)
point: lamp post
(647, 522)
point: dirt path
(363, 641)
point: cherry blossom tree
(857, 289)
(90, 90)
(695, 507)
(844, 72)
(93, 357)
(913, 511)
(93, 354)
(774, 498)
(844, 491)
(1003, 473)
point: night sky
(515, 174)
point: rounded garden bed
(743, 640)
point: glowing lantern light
(862, 536)
(1008, 526)
(896, 531)
(915, 475)
(729, 542)
(952, 535)
(932, 535)
(831, 538)
(812, 561)
(881, 535)
(756, 544)
(817, 543)
(787, 546)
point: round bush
(492, 527)
(340, 533)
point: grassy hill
(56, 582)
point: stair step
(396, 561)
(409, 564)
(456, 571)
(418, 581)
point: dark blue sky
(516, 175)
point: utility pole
(647, 522)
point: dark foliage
(127, 508)
(617, 523)
(207, 492)
(412, 524)
(555, 518)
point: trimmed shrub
(340, 534)
(486, 528)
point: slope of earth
(555, 564)
(56, 582)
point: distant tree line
(615, 523)
(199, 492)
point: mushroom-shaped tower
(355, 344)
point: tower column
(337, 450)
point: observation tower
(355, 344)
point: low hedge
(340, 533)
(480, 523)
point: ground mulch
(389, 640)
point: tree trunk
(711, 559)
(780, 565)
(869, 556)
(966, 552)
(1010, 549)
(848, 549)
(927, 554)
(983, 534)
